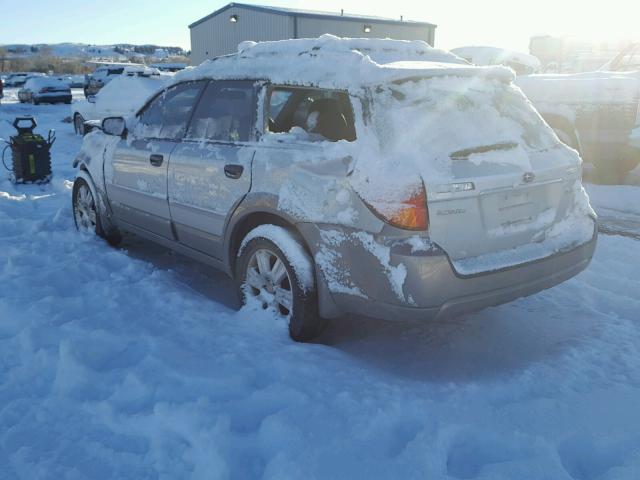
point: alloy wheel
(85, 209)
(268, 282)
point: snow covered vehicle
(594, 112)
(104, 74)
(404, 184)
(121, 97)
(38, 90)
(20, 78)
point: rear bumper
(433, 289)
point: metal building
(220, 32)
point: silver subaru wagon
(338, 176)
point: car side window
(168, 114)
(322, 114)
(225, 112)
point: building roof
(299, 13)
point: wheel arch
(85, 174)
(247, 221)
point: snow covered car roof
(361, 62)
(42, 82)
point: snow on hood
(122, 96)
(362, 62)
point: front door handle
(233, 171)
(156, 160)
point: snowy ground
(133, 363)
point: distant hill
(120, 51)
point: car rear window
(450, 114)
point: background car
(1, 89)
(20, 78)
(74, 81)
(44, 90)
(119, 98)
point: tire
(259, 260)
(85, 214)
(78, 125)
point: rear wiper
(467, 152)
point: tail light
(45, 89)
(410, 213)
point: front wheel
(266, 278)
(86, 215)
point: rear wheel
(86, 215)
(267, 279)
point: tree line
(48, 63)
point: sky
(508, 24)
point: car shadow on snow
(197, 277)
(492, 343)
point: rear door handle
(233, 171)
(156, 160)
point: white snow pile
(313, 61)
(131, 363)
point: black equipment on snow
(31, 153)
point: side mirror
(91, 99)
(115, 126)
